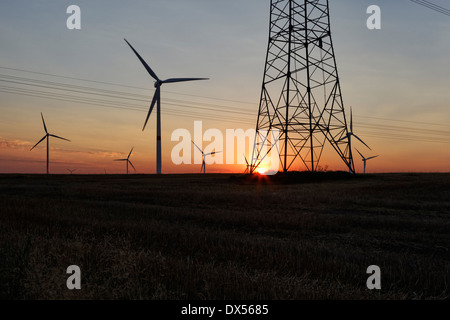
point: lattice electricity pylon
(301, 95)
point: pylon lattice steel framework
(301, 94)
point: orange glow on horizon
(261, 170)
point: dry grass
(223, 237)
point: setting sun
(261, 170)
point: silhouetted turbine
(157, 100)
(203, 168)
(248, 169)
(127, 161)
(349, 137)
(365, 160)
(47, 136)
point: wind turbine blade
(45, 127)
(371, 157)
(39, 142)
(52, 135)
(245, 159)
(197, 147)
(120, 160)
(156, 97)
(351, 120)
(173, 80)
(344, 138)
(147, 67)
(131, 165)
(359, 153)
(211, 153)
(130, 153)
(361, 141)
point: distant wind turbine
(72, 171)
(157, 100)
(47, 136)
(349, 137)
(203, 168)
(127, 161)
(365, 160)
(249, 166)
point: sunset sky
(92, 89)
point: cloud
(95, 153)
(15, 144)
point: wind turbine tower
(47, 136)
(157, 100)
(301, 93)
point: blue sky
(400, 72)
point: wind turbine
(157, 100)
(249, 166)
(72, 171)
(349, 136)
(128, 160)
(47, 136)
(203, 168)
(365, 160)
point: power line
(406, 121)
(404, 129)
(432, 6)
(145, 98)
(121, 85)
(105, 93)
(126, 96)
(178, 112)
(404, 138)
(115, 105)
(123, 100)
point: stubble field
(214, 237)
